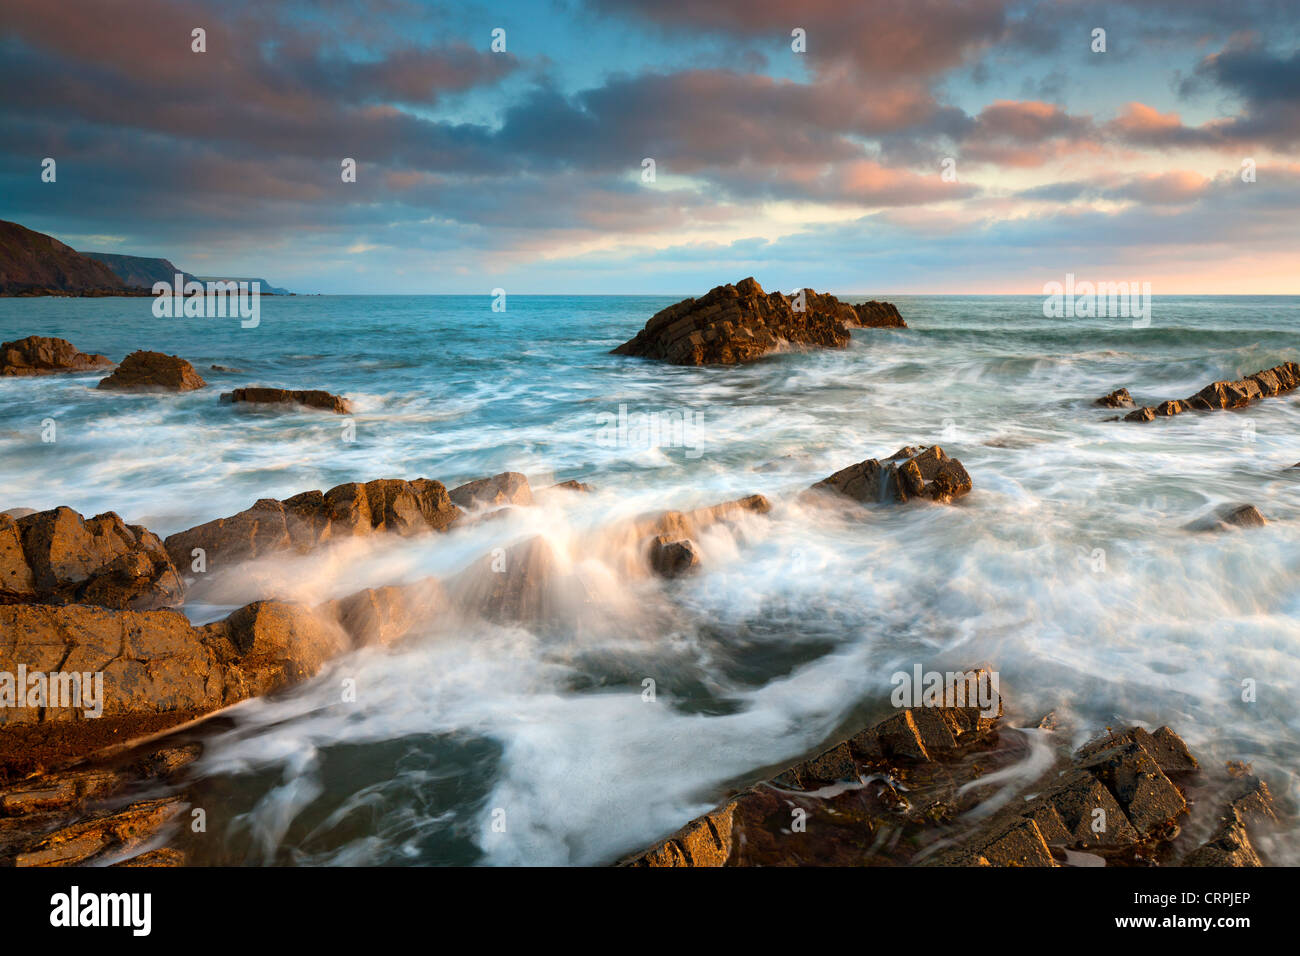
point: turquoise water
(792, 631)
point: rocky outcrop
(911, 472)
(59, 557)
(903, 792)
(1226, 394)
(507, 488)
(572, 485)
(312, 398)
(147, 371)
(39, 355)
(34, 263)
(312, 519)
(741, 323)
(1120, 398)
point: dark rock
(154, 370)
(37, 355)
(1230, 846)
(313, 398)
(1227, 394)
(507, 488)
(59, 557)
(311, 519)
(673, 557)
(908, 473)
(1120, 398)
(740, 323)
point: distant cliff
(32, 263)
(140, 270)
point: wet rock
(1227, 394)
(312, 519)
(507, 488)
(572, 485)
(385, 615)
(1229, 517)
(878, 315)
(909, 473)
(1120, 398)
(309, 398)
(741, 323)
(519, 583)
(155, 662)
(705, 841)
(59, 557)
(673, 557)
(115, 833)
(1149, 799)
(1230, 846)
(39, 355)
(152, 371)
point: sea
(1069, 569)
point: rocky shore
(928, 786)
(1217, 396)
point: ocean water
(1068, 568)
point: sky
(870, 147)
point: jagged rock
(39, 355)
(740, 323)
(311, 519)
(1227, 394)
(59, 557)
(673, 557)
(1229, 517)
(1120, 398)
(311, 398)
(1230, 846)
(908, 473)
(687, 524)
(507, 488)
(153, 370)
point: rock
(687, 524)
(1229, 517)
(572, 485)
(519, 583)
(741, 323)
(115, 833)
(673, 557)
(153, 663)
(1230, 846)
(878, 315)
(1120, 398)
(312, 519)
(1149, 799)
(59, 557)
(38, 355)
(909, 473)
(313, 398)
(507, 488)
(153, 370)
(387, 614)
(1227, 394)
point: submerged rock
(673, 557)
(40, 355)
(741, 323)
(312, 398)
(1227, 394)
(910, 472)
(59, 557)
(1229, 517)
(154, 370)
(312, 519)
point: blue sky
(522, 169)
